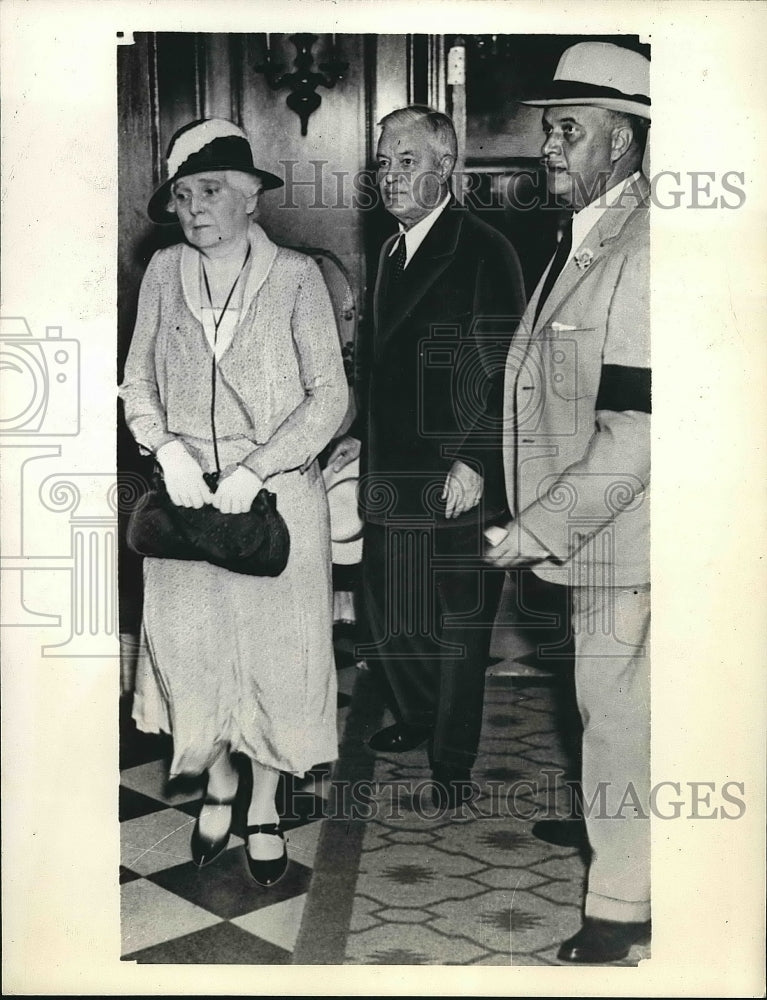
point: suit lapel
(379, 290)
(607, 227)
(428, 263)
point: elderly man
(448, 298)
(577, 456)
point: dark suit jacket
(432, 375)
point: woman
(238, 663)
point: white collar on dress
(262, 255)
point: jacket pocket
(572, 359)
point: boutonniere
(584, 258)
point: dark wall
(168, 79)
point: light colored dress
(240, 661)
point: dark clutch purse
(256, 543)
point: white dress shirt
(587, 218)
(415, 236)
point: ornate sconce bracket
(303, 82)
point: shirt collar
(415, 236)
(585, 220)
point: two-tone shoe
(268, 872)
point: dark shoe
(399, 738)
(561, 832)
(267, 873)
(603, 941)
(206, 849)
(452, 787)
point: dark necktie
(559, 261)
(398, 259)
(395, 268)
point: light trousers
(612, 679)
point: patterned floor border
(370, 898)
(327, 914)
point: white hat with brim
(209, 145)
(600, 75)
(345, 522)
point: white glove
(183, 476)
(237, 491)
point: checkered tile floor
(398, 889)
(174, 913)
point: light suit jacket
(577, 408)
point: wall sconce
(303, 83)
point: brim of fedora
(564, 93)
(346, 553)
(345, 522)
(157, 209)
(627, 106)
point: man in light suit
(448, 298)
(577, 457)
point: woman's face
(213, 214)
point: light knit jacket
(280, 382)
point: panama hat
(599, 74)
(201, 146)
(345, 523)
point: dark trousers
(430, 604)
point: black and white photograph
(327, 452)
(499, 450)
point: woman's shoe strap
(271, 828)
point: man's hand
(183, 476)
(237, 491)
(344, 453)
(462, 490)
(507, 554)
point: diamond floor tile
(133, 804)
(150, 915)
(151, 778)
(155, 841)
(226, 888)
(277, 924)
(221, 944)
